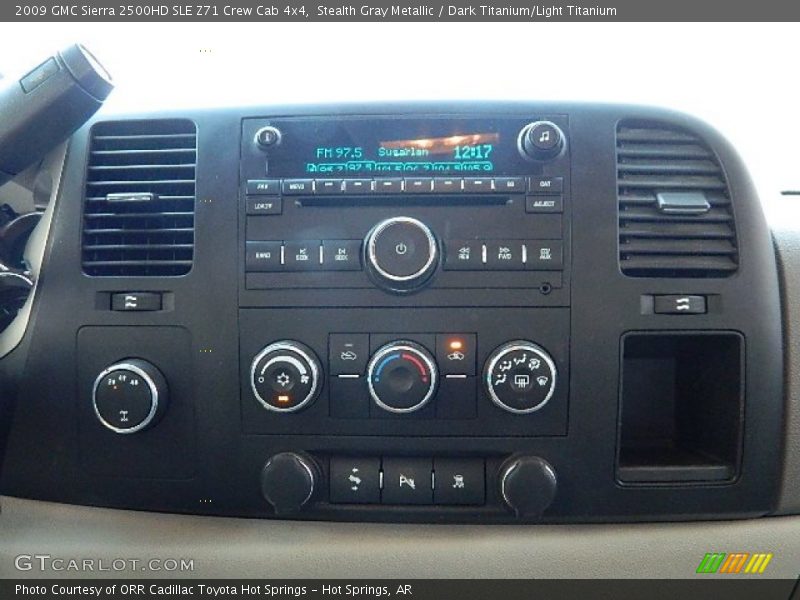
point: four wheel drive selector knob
(401, 254)
(285, 376)
(130, 396)
(402, 377)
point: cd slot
(405, 200)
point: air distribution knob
(288, 481)
(527, 485)
(520, 377)
(401, 254)
(541, 140)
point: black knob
(520, 377)
(402, 377)
(541, 140)
(401, 254)
(267, 137)
(285, 376)
(288, 481)
(129, 396)
(528, 485)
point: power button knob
(401, 254)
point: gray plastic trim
(291, 549)
(786, 234)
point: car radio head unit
(396, 146)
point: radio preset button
(264, 205)
(263, 256)
(264, 187)
(509, 184)
(389, 186)
(477, 184)
(296, 187)
(328, 186)
(341, 255)
(418, 185)
(446, 185)
(357, 186)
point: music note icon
(545, 137)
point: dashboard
(461, 313)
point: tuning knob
(401, 254)
(129, 396)
(288, 482)
(541, 140)
(528, 485)
(285, 376)
(402, 377)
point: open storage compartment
(682, 407)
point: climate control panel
(459, 372)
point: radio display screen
(397, 147)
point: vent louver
(140, 194)
(675, 215)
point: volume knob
(401, 254)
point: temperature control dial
(129, 396)
(285, 376)
(402, 377)
(520, 377)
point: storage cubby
(682, 407)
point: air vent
(140, 195)
(675, 216)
